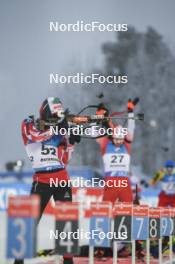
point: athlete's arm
(157, 177)
(130, 128)
(67, 153)
(103, 141)
(31, 133)
(131, 121)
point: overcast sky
(29, 52)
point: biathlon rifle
(80, 119)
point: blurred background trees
(150, 66)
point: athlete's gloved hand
(74, 139)
(132, 104)
(102, 110)
(61, 115)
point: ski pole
(115, 252)
(147, 251)
(91, 255)
(171, 249)
(133, 252)
(160, 250)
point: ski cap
(169, 163)
(50, 107)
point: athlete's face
(170, 170)
(118, 136)
(118, 141)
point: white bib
(168, 187)
(116, 162)
(42, 156)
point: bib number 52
(45, 150)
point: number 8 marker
(154, 222)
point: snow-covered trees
(150, 66)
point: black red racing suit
(49, 155)
(116, 161)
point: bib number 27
(117, 159)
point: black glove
(102, 110)
(136, 100)
(74, 139)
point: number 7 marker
(140, 227)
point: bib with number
(168, 184)
(44, 155)
(116, 160)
